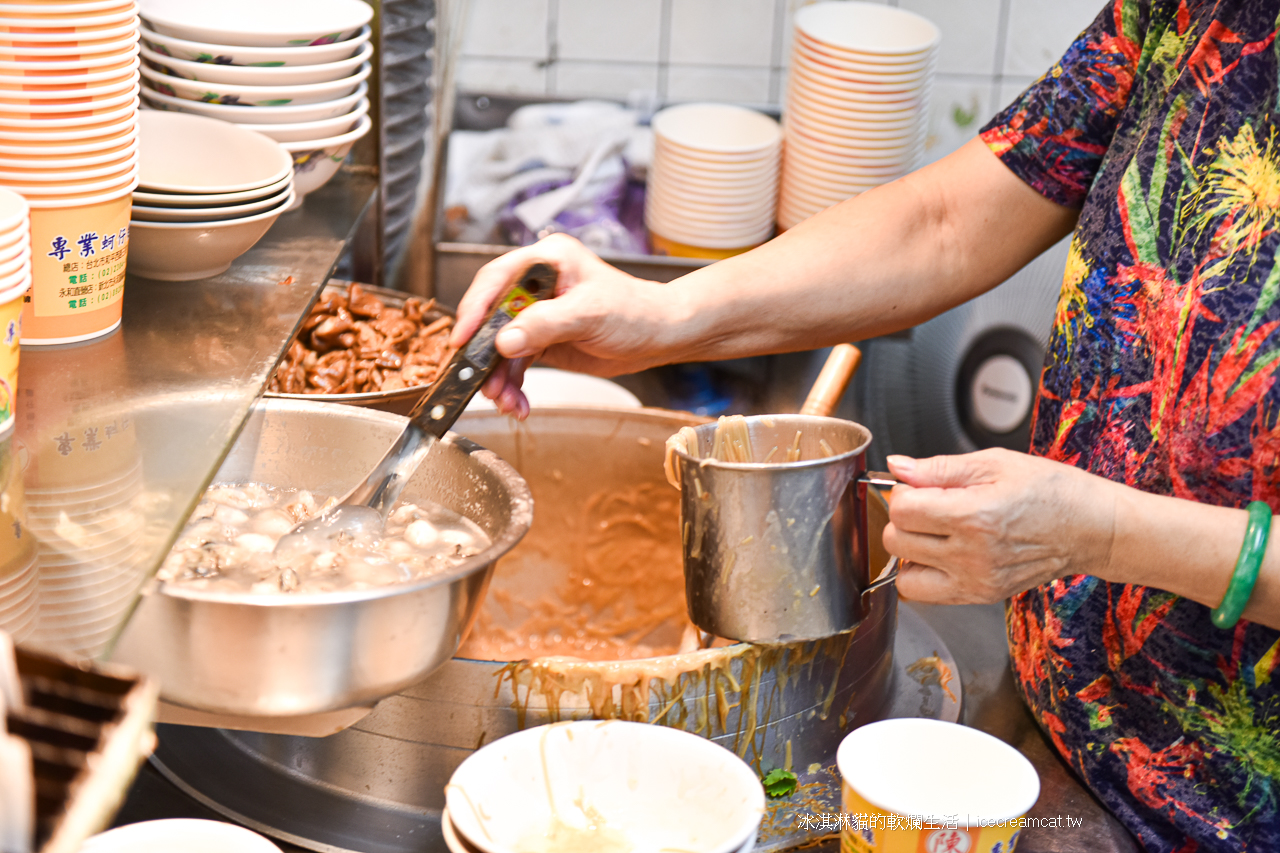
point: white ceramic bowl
(162, 199)
(228, 54)
(280, 23)
(862, 83)
(255, 96)
(239, 75)
(259, 115)
(147, 213)
(854, 93)
(656, 787)
(303, 130)
(194, 154)
(706, 236)
(719, 128)
(185, 251)
(317, 160)
(189, 836)
(714, 200)
(866, 28)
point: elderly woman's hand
(984, 526)
(602, 320)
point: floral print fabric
(1161, 123)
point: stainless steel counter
(975, 636)
(117, 438)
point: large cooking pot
(776, 706)
(281, 655)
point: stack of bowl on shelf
(713, 181)
(856, 108)
(207, 192)
(295, 70)
(68, 144)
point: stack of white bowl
(295, 70)
(713, 181)
(68, 108)
(207, 192)
(856, 110)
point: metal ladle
(365, 508)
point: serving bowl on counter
(273, 655)
(243, 55)
(256, 95)
(282, 75)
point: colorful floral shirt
(1162, 124)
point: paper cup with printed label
(79, 248)
(925, 786)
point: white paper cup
(940, 772)
(733, 132)
(868, 29)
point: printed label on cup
(78, 258)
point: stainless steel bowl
(266, 655)
(400, 401)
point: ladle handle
(443, 403)
(826, 392)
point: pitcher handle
(890, 572)
(888, 576)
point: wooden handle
(834, 378)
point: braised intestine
(227, 545)
(354, 343)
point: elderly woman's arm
(984, 526)
(884, 261)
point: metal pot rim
(521, 503)
(782, 466)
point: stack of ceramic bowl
(68, 107)
(294, 70)
(713, 181)
(856, 110)
(207, 193)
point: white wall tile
(619, 30)
(612, 80)
(1040, 31)
(507, 28)
(734, 85)
(969, 32)
(1010, 88)
(959, 109)
(502, 76)
(722, 32)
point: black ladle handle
(444, 402)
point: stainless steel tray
(208, 765)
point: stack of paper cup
(15, 281)
(68, 143)
(856, 110)
(713, 183)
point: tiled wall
(736, 51)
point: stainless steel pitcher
(777, 551)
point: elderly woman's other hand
(983, 526)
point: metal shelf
(116, 439)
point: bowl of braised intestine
(366, 346)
